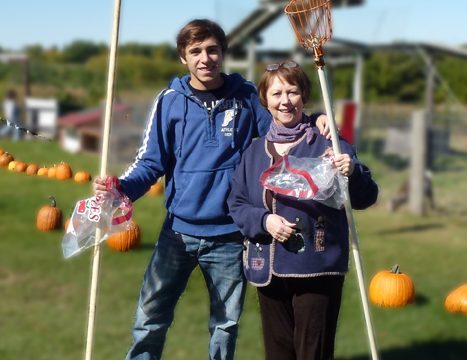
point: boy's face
(204, 61)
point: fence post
(418, 162)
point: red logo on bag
(81, 207)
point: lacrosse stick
(103, 170)
(312, 24)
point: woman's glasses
(289, 64)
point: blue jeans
(175, 257)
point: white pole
(418, 152)
(358, 98)
(350, 219)
(103, 170)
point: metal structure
(244, 55)
(312, 24)
(244, 37)
(267, 12)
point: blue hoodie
(197, 152)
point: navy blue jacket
(197, 151)
(322, 245)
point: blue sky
(59, 22)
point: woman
(296, 252)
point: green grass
(44, 298)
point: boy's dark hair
(199, 30)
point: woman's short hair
(199, 30)
(289, 71)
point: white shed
(41, 116)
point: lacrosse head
(311, 21)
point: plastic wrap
(110, 213)
(307, 179)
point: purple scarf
(282, 134)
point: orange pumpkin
(156, 189)
(456, 301)
(49, 217)
(127, 239)
(43, 171)
(67, 222)
(65, 225)
(82, 177)
(2, 151)
(63, 171)
(32, 169)
(21, 166)
(52, 172)
(5, 159)
(392, 288)
(68, 219)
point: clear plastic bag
(110, 213)
(307, 179)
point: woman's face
(284, 102)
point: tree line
(76, 73)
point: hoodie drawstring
(232, 143)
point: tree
(81, 51)
(394, 77)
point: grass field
(44, 298)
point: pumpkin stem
(53, 202)
(395, 269)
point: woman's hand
(343, 162)
(279, 228)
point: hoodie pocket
(202, 196)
